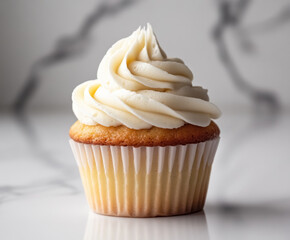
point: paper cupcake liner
(145, 181)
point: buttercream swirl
(139, 87)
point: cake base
(145, 181)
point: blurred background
(238, 49)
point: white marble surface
(41, 196)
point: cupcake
(144, 141)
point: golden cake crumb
(123, 136)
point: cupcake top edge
(138, 86)
(123, 136)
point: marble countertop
(41, 195)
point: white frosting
(139, 87)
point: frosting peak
(138, 63)
(139, 87)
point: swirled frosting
(139, 87)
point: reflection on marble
(169, 228)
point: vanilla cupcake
(144, 140)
